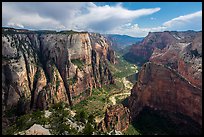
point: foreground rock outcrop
(40, 68)
(36, 130)
(162, 88)
(116, 117)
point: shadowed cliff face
(172, 80)
(39, 69)
(141, 52)
(162, 88)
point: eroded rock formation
(116, 117)
(172, 80)
(185, 57)
(141, 52)
(43, 68)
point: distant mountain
(122, 41)
(141, 52)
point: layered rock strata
(40, 68)
(172, 80)
(162, 88)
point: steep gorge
(40, 69)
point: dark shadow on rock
(154, 122)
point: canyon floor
(110, 94)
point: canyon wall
(140, 53)
(184, 56)
(161, 88)
(43, 68)
(172, 80)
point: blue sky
(169, 10)
(130, 18)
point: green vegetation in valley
(132, 58)
(122, 68)
(97, 103)
(94, 104)
(57, 121)
(88, 130)
(81, 116)
(26, 121)
(132, 78)
(86, 110)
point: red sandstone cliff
(117, 117)
(172, 80)
(141, 52)
(162, 88)
(184, 56)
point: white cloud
(189, 21)
(34, 20)
(40, 15)
(135, 30)
(75, 15)
(15, 25)
(104, 18)
(86, 16)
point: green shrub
(11, 130)
(57, 82)
(78, 63)
(23, 122)
(131, 130)
(72, 81)
(88, 130)
(81, 116)
(38, 117)
(37, 75)
(58, 119)
(58, 106)
(91, 118)
(61, 128)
